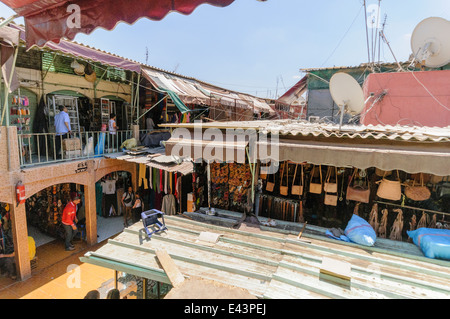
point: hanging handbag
(297, 189)
(330, 187)
(417, 192)
(390, 190)
(331, 199)
(358, 193)
(316, 188)
(270, 185)
(284, 190)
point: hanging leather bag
(331, 199)
(330, 187)
(284, 190)
(418, 192)
(298, 189)
(390, 190)
(270, 185)
(316, 188)
(358, 193)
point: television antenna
(347, 94)
(430, 43)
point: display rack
(71, 103)
(20, 115)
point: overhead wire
(343, 37)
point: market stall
(324, 176)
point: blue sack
(360, 231)
(434, 243)
(341, 238)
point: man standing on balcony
(62, 127)
(69, 220)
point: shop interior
(44, 212)
(328, 196)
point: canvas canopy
(51, 20)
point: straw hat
(77, 67)
(89, 74)
(90, 77)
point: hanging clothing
(109, 187)
(150, 177)
(166, 182)
(161, 187)
(120, 192)
(158, 200)
(168, 205)
(143, 175)
(156, 180)
(175, 191)
(98, 197)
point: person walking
(69, 220)
(127, 202)
(62, 128)
(112, 128)
(137, 208)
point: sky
(259, 48)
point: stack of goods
(281, 209)
(230, 186)
(240, 183)
(44, 209)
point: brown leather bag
(297, 189)
(331, 199)
(330, 187)
(270, 185)
(284, 190)
(358, 193)
(418, 192)
(316, 188)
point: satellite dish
(430, 42)
(347, 94)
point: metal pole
(165, 97)
(7, 86)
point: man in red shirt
(69, 220)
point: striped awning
(51, 20)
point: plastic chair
(151, 218)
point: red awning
(51, 20)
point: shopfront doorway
(108, 192)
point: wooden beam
(172, 271)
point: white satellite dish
(430, 42)
(347, 94)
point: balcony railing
(42, 148)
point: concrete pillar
(20, 237)
(91, 213)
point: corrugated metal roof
(273, 264)
(184, 167)
(304, 128)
